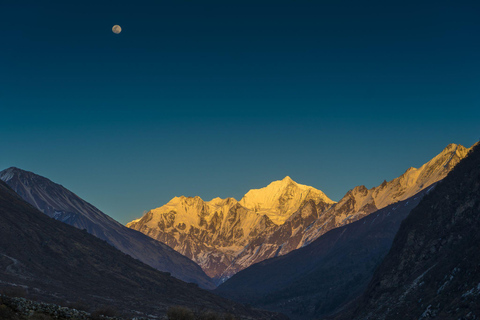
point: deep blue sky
(213, 98)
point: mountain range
(330, 274)
(321, 278)
(286, 247)
(213, 233)
(225, 236)
(58, 263)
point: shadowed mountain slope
(57, 262)
(322, 277)
(61, 204)
(433, 267)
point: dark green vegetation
(57, 202)
(433, 267)
(57, 263)
(324, 276)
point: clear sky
(213, 98)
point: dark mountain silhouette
(57, 262)
(61, 204)
(433, 267)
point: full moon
(116, 29)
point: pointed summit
(288, 179)
(12, 169)
(280, 199)
(8, 174)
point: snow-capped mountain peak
(225, 236)
(213, 232)
(280, 199)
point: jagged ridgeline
(213, 233)
(433, 267)
(225, 236)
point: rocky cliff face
(214, 233)
(432, 269)
(361, 201)
(277, 219)
(210, 233)
(65, 206)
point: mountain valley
(287, 247)
(58, 263)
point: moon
(116, 29)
